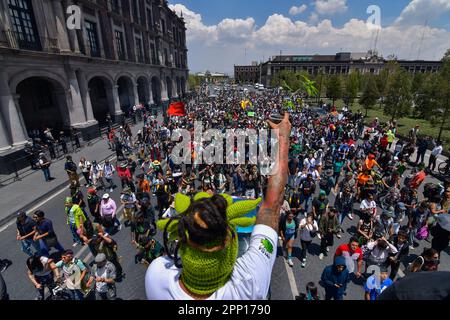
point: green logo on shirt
(267, 245)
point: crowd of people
(338, 169)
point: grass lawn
(403, 124)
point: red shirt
(345, 249)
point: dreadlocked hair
(203, 223)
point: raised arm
(269, 213)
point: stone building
(340, 63)
(247, 74)
(125, 53)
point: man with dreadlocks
(205, 264)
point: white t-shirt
(437, 151)
(372, 205)
(250, 279)
(305, 233)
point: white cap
(106, 196)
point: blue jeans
(308, 201)
(342, 215)
(47, 175)
(76, 294)
(45, 250)
(26, 246)
(75, 236)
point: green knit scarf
(203, 272)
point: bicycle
(444, 167)
(59, 291)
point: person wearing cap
(125, 175)
(328, 227)
(25, 233)
(417, 220)
(75, 220)
(102, 242)
(108, 211)
(384, 225)
(328, 182)
(108, 173)
(96, 174)
(320, 205)
(94, 201)
(44, 165)
(74, 272)
(374, 287)
(104, 275)
(128, 200)
(71, 169)
(344, 204)
(370, 163)
(348, 181)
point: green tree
(194, 81)
(442, 107)
(351, 88)
(425, 95)
(398, 100)
(286, 79)
(383, 79)
(370, 94)
(334, 88)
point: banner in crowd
(177, 109)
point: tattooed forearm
(268, 217)
(269, 212)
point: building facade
(341, 63)
(125, 53)
(212, 77)
(247, 74)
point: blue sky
(213, 11)
(219, 31)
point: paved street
(286, 281)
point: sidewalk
(32, 189)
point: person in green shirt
(75, 220)
(401, 166)
(390, 138)
(337, 168)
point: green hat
(322, 193)
(68, 200)
(207, 269)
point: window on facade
(23, 24)
(163, 26)
(135, 10)
(120, 45)
(153, 53)
(166, 57)
(139, 51)
(115, 6)
(149, 19)
(92, 37)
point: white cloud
(313, 18)
(330, 7)
(218, 47)
(419, 11)
(294, 11)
